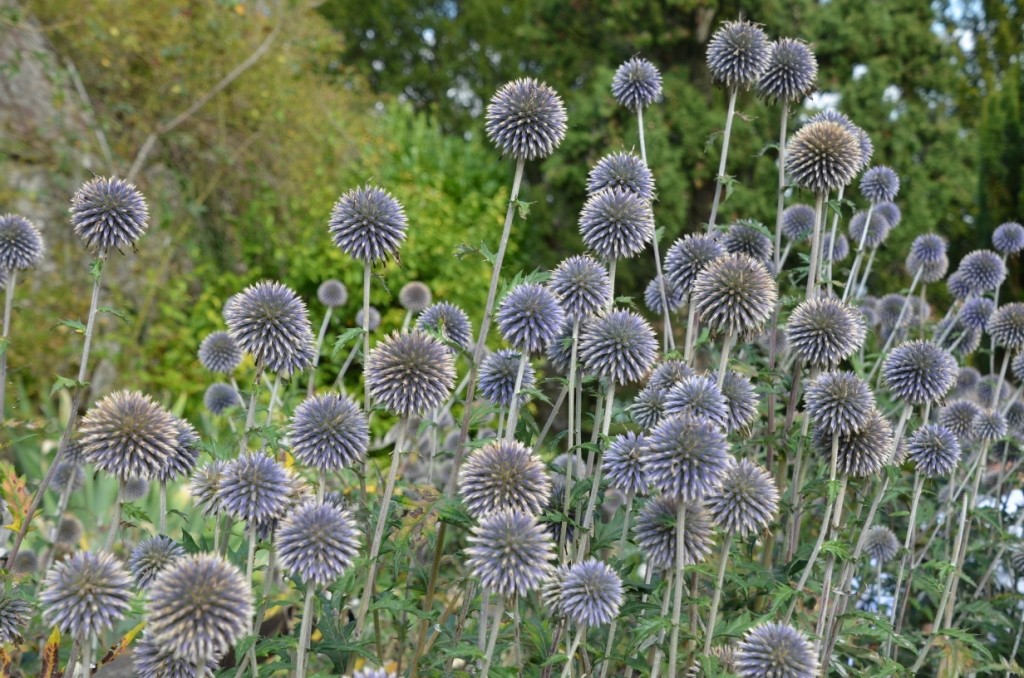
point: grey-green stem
(729, 115)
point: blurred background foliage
(393, 91)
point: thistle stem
(5, 333)
(311, 386)
(489, 655)
(611, 289)
(86, 645)
(812, 270)
(677, 591)
(723, 361)
(115, 520)
(513, 408)
(894, 619)
(827, 262)
(730, 113)
(867, 270)
(716, 597)
(851, 280)
(366, 334)
(896, 325)
(163, 507)
(305, 632)
(595, 488)
(668, 341)
(250, 415)
(576, 640)
(781, 194)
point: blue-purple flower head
(498, 374)
(636, 83)
(739, 53)
(622, 169)
(69, 531)
(581, 285)
(735, 295)
(891, 212)
(220, 353)
(877, 229)
(134, 489)
(530, 317)
(861, 453)
(332, 293)
(881, 544)
(982, 271)
(15, 615)
(328, 432)
(317, 543)
(21, 244)
(1008, 238)
(269, 321)
(449, 321)
(1006, 326)
(109, 213)
(649, 406)
(206, 485)
(934, 449)
(652, 296)
(685, 456)
(919, 372)
(976, 311)
(526, 119)
(823, 156)
(410, 372)
(255, 488)
(85, 594)
(619, 346)
(668, 373)
(839, 402)
(880, 184)
(414, 296)
(373, 319)
(698, 396)
(991, 388)
(867, 148)
(150, 556)
(221, 397)
(616, 223)
(798, 222)
(127, 434)
(655, 532)
(622, 466)
(559, 351)
(791, 74)
(749, 237)
(745, 501)
(825, 331)
(1017, 365)
(775, 650)
(510, 553)
(834, 251)
(688, 257)
(989, 426)
(958, 418)
(368, 224)
(741, 401)
(590, 593)
(184, 455)
(149, 661)
(504, 476)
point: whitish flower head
(581, 285)
(449, 321)
(205, 486)
(368, 224)
(127, 434)
(735, 294)
(823, 156)
(332, 293)
(150, 556)
(530, 317)
(625, 170)
(688, 257)
(668, 373)
(498, 373)
(1008, 238)
(890, 211)
(655, 532)
(15, 615)
(220, 353)
(825, 331)
(748, 237)
(619, 346)
(837, 251)
(867, 148)
(881, 544)
(220, 397)
(685, 456)
(976, 312)
(616, 224)
(880, 184)
(109, 214)
(21, 244)
(919, 372)
(591, 593)
(740, 399)
(1006, 326)
(791, 73)
(934, 449)
(254, 488)
(649, 406)
(776, 650)
(182, 460)
(959, 417)
(989, 426)
(982, 271)
(373, 319)
(504, 476)
(622, 465)
(877, 230)
(269, 321)
(861, 453)
(798, 222)
(510, 553)
(739, 53)
(636, 83)
(85, 594)
(699, 396)
(150, 661)
(410, 372)
(652, 297)
(746, 501)
(526, 119)
(317, 543)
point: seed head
(85, 594)
(504, 476)
(747, 237)
(373, 319)
(69, 530)
(839, 402)
(989, 426)
(668, 373)
(890, 211)
(867, 149)
(982, 271)
(109, 214)
(526, 120)
(741, 401)
(150, 661)
(652, 297)
(205, 486)
(368, 224)
(409, 373)
(1006, 327)
(837, 251)
(976, 312)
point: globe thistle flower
(862, 453)
(636, 83)
(958, 286)
(591, 593)
(1006, 326)
(934, 449)
(867, 149)
(959, 417)
(825, 331)
(150, 661)
(150, 556)
(881, 544)
(220, 397)
(989, 426)
(616, 223)
(85, 594)
(798, 222)
(297, 492)
(498, 374)
(823, 157)
(685, 456)
(525, 119)
(109, 214)
(740, 399)
(409, 372)
(745, 501)
(837, 251)
(655, 532)
(747, 237)
(774, 650)
(668, 373)
(373, 319)
(734, 294)
(1008, 238)
(447, 320)
(877, 229)
(69, 530)
(927, 272)
(625, 170)
(559, 351)
(985, 391)
(880, 184)
(529, 318)
(839, 402)
(205, 486)
(791, 73)
(185, 454)
(1015, 417)
(332, 293)
(891, 212)
(15, 615)
(269, 321)
(976, 311)
(652, 296)
(134, 489)
(504, 476)
(581, 285)
(328, 432)
(317, 543)
(983, 271)
(619, 346)
(127, 434)
(622, 466)
(649, 406)
(220, 353)
(739, 53)
(919, 372)
(688, 257)
(368, 224)
(198, 607)
(960, 340)
(1016, 365)
(551, 590)
(21, 244)
(26, 562)
(510, 553)
(699, 396)
(414, 296)
(68, 472)
(254, 488)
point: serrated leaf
(453, 511)
(523, 208)
(113, 311)
(63, 383)
(15, 494)
(76, 325)
(343, 339)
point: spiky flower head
(317, 542)
(688, 257)
(699, 396)
(205, 486)
(410, 372)
(69, 530)
(1008, 238)
(559, 351)
(619, 347)
(525, 119)
(85, 594)
(254, 488)
(983, 271)
(185, 454)
(748, 237)
(269, 321)
(791, 74)
(976, 312)
(414, 296)
(685, 456)
(825, 331)
(622, 466)
(934, 449)
(862, 453)
(734, 294)
(109, 213)
(636, 83)
(919, 372)
(373, 319)
(68, 472)
(21, 244)
(581, 285)
(745, 501)
(881, 544)
(447, 320)
(739, 53)
(1006, 326)
(927, 270)
(127, 434)
(891, 212)
(590, 594)
(668, 373)
(775, 650)
(740, 400)
(498, 374)
(134, 489)
(328, 432)
(798, 222)
(1015, 417)
(622, 169)
(989, 426)
(880, 184)
(198, 607)
(1017, 365)
(510, 553)
(149, 661)
(958, 286)
(220, 397)
(15, 614)
(649, 406)
(220, 353)
(1017, 558)
(959, 417)
(877, 229)
(652, 296)
(837, 251)
(530, 317)
(26, 562)
(368, 224)
(616, 223)
(867, 148)
(991, 388)
(823, 156)
(332, 293)
(655, 532)
(150, 556)
(504, 476)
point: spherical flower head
(449, 321)
(958, 286)
(889, 308)
(498, 373)
(504, 476)
(699, 396)
(109, 213)
(622, 466)
(150, 661)
(734, 294)
(1008, 238)
(741, 401)
(987, 388)
(220, 353)
(373, 319)
(688, 257)
(581, 285)
(649, 406)
(976, 312)
(685, 456)
(317, 543)
(983, 271)
(867, 148)
(21, 244)
(414, 296)
(655, 532)
(668, 373)
(368, 224)
(409, 372)
(85, 594)
(958, 417)
(798, 222)
(269, 321)
(590, 594)
(823, 157)
(1015, 418)
(525, 119)
(934, 449)
(919, 372)
(825, 331)
(746, 500)
(510, 553)
(880, 184)
(328, 432)
(862, 453)
(530, 317)
(791, 73)
(776, 650)
(15, 615)
(877, 229)
(332, 293)
(1017, 365)
(881, 544)
(254, 488)
(891, 212)
(652, 296)
(127, 434)
(205, 486)
(559, 351)
(69, 530)
(220, 397)
(636, 83)
(616, 223)
(26, 562)
(749, 237)
(185, 454)
(68, 472)
(150, 556)
(837, 251)
(929, 266)
(989, 426)
(622, 169)
(739, 53)
(1006, 326)
(198, 607)
(619, 347)
(134, 489)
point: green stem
(4, 338)
(677, 591)
(489, 655)
(716, 597)
(305, 632)
(577, 639)
(781, 193)
(729, 115)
